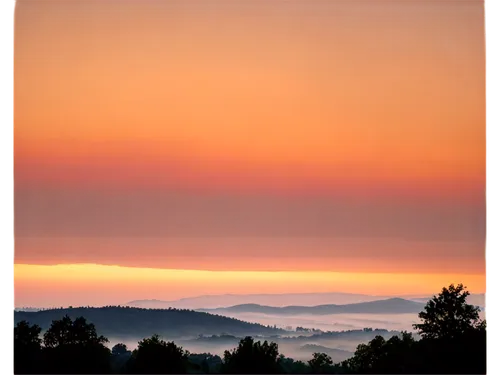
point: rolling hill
(278, 300)
(139, 323)
(388, 306)
(281, 300)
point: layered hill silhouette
(286, 299)
(116, 321)
(387, 306)
(280, 300)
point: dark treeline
(125, 322)
(453, 340)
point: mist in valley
(312, 335)
(332, 322)
(299, 349)
(304, 334)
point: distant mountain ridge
(387, 306)
(286, 299)
(282, 300)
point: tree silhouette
(448, 314)
(68, 332)
(74, 347)
(321, 363)
(366, 356)
(156, 356)
(119, 349)
(252, 358)
(453, 341)
(397, 354)
(27, 348)
(291, 366)
(207, 363)
(119, 358)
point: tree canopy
(156, 356)
(27, 347)
(69, 344)
(252, 358)
(320, 363)
(448, 314)
(68, 332)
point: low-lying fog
(338, 349)
(301, 345)
(333, 322)
(291, 346)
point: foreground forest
(452, 340)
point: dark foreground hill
(135, 322)
(387, 306)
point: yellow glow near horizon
(79, 283)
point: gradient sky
(166, 149)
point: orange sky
(342, 136)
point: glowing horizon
(148, 283)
